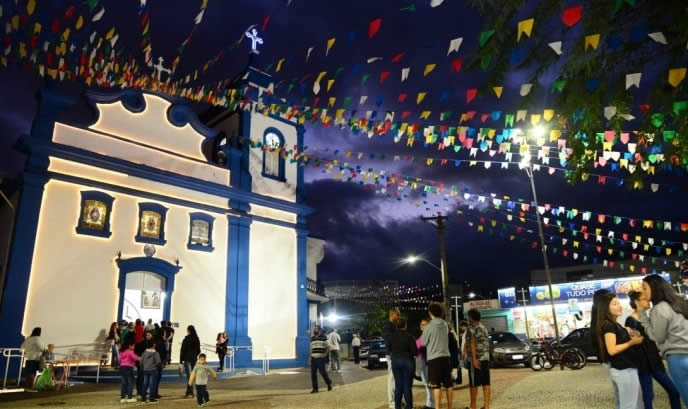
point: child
(150, 360)
(200, 375)
(48, 356)
(127, 358)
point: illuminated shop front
(572, 304)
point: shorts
(439, 373)
(479, 376)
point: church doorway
(144, 297)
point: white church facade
(147, 212)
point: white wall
(73, 292)
(316, 252)
(266, 186)
(272, 317)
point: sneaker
(132, 400)
(123, 400)
(314, 391)
(153, 401)
(329, 387)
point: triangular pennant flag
(592, 40)
(405, 73)
(609, 112)
(470, 94)
(556, 46)
(485, 36)
(676, 76)
(428, 69)
(374, 27)
(658, 37)
(330, 43)
(633, 80)
(420, 97)
(525, 27)
(525, 89)
(572, 15)
(498, 91)
(454, 45)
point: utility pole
(543, 246)
(439, 223)
(456, 311)
(525, 310)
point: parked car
(579, 338)
(376, 353)
(365, 346)
(507, 349)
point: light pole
(456, 311)
(413, 259)
(439, 223)
(539, 132)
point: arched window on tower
(273, 162)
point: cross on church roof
(255, 40)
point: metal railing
(81, 354)
(315, 287)
(10, 353)
(231, 354)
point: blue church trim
(153, 265)
(208, 219)
(280, 172)
(50, 105)
(236, 295)
(162, 211)
(302, 339)
(100, 197)
(146, 172)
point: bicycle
(572, 358)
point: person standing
(478, 350)
(150, 361)
(650, 364)
(667, 325)
(422, 363)
(221, 348)
(435, 338)
(333, 341)
(138, 328)
(169, 336)
(149, 325)
(33, 351)
(388, 329)
(454, 354)
(139, 349)
(127, 358)
(356, 345)
(113, 338)
(402, 349)
(316, 358)
(191, 348)
(616, 349)
(199, 376)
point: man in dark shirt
(316, 358)
(389, 328)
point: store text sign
(492, 304)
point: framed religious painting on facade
(94, 214)
(200, 232)
(150, 299)
(151, 223)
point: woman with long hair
(113, 337)
(651, 365)
(33, 351)
(616, 349)
(191, 348)
(221, 348)
(667, 325)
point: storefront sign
(507, 297)
(584, 290)
(492, 304)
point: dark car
(375, 352)
(579, 338)
(507, 349)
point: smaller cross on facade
(255, 40)
(159, 69)
(679, 287)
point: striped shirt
(318, 346)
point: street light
(412, 259)
(445, 297)
(539, 132)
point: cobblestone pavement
(513, 388)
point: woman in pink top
(127, 359)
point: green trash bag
(44, 382)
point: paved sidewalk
(355, 388)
